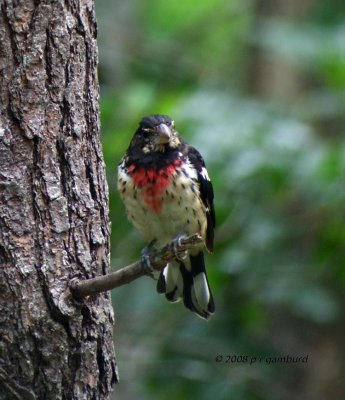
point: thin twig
(158, 260)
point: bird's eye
(146, 131)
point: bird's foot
(176, 244)
(145, 258)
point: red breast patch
(152, 182)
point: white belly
(181, 211)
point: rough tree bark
(53, 205)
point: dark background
(258, 88)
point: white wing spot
(204, 174)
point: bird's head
(156, 133)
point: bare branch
(158, 260)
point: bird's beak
(164, 134)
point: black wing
(206, 193)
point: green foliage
(277, 163)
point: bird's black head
(156, 133)
(150, 122)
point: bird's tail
(187, 279)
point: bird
(167, 193)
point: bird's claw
(180, 256)
(145, 259)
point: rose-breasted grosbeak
(167, 193)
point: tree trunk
(270, 76)
(53, 205)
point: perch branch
(158, 260)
